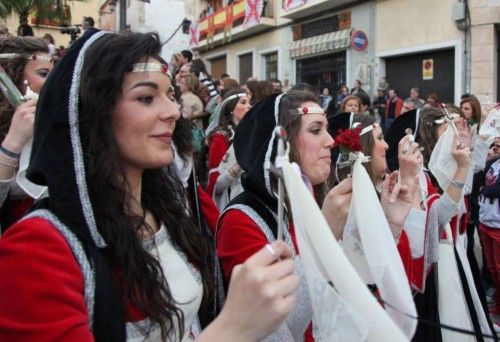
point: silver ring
(271, 251)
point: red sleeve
(405, 253)
(238, 237)
(431, 189)
(208, 208)
(41, 287)
(399, 107)
(419, 270)
(219, 145)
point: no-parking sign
(359, 40)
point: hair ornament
(25, 56)
(151, 67)
(232, 97)
(311, 110)
(366, 129)
(453, 116)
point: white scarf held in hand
(369, 244)
(347, 311)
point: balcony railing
(227, 22)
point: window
(246, 68)
(320, 27)
(271, 66)
(217, 67)
(321, 71)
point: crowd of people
(140, 200)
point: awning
(331, 41)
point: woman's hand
(260, 296)
(464, 132)
(21, 127)
(235, 170)
(336, 205)
(410, 160)
(461, 153)
(397, 200)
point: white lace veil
(442, 164)
(369, 245)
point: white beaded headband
(311, 110)
(232, 97)
(152, 67)
(30, 57)
(366, 129)
(445, 119)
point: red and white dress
(44, 299)
(242, 232)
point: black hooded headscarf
(58, 161)
(255, 147)
(397, 131)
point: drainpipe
(123, 15)
(461, 16)
(371, 52)
(468, 49)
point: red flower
(348, 140)
(305, 110)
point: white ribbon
(452, 306)
(33, 190)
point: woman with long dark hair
(27, 62)
(249, 221)
(115, 229)
(234, 106)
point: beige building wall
(484, 57)
(259, 45)
(408, 23)
(79, 9)
(406, 27)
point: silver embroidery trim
(255, 217)
(302, 295)
(137, 329)
(80, 256)
(195, 329)
(88, 213)
(277, 107)
(286, 230)
(267, 158)
(262, 224)
(267, 163)
(161, 237)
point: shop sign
(359, 40)
(428, 69)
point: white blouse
(185, 284)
